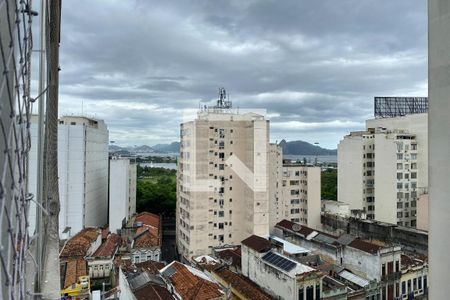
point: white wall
(314, 203)
(439, 135)
(350, 172)
(122, 191)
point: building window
(399, 166)
(399, 176)
(221, 166)
(221, 213)
(413, 175)
(220, 225)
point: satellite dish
(296, 227)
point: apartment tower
(222, 185)
(122, 191)
(294, 191)
(82, 170)
(383, 169)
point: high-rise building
(439, 91)
(383, 170)
(222, 185)
(83, 173)
(122, 191)
(294, 191)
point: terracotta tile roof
(257, 243)
(408, 261)
(191, 283)
(152, 291)
(105, 233)
(146, 239)
(148, 219)
(231, 255)
(241, 284)
(80, 243)
(109, 247)
(150, 266)
(365, 246)
(74, 268)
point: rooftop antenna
(222, 101)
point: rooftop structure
(190, 283)
(84, 243)
(388, 107)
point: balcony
(391, 277)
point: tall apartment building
(122, 191)
(222, 187)
(383, 170)
(439, 91)
(294, 191)
(82, 170)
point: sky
(315, 66)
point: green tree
(329, 184)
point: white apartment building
(294, 191)
(222, 187)
(122, 191)
(383, 170)
(82, 170)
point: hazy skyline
(315, 66)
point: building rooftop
(152, 291)
(257, 243)
(288, 247)
(325, 238)
(148, 233)
(231, 255)
(150, 266)
(190, 283)
(71, 270)
(80, 243)
(241, 284)
(109, 247)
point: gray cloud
(139, 64)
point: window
(397, 266)
(399, 214)
(413, 146)
(399, 176)
(420, 282)
(399, 166)
(403, 287)
(221, 167)
(221, 155)
(295, 201)
(413, 156)
(221, 213)
(399, 185)
(221, 226)
(295, 211)
(413, 175)
(415, 284)
(413, 166)
(221, 238)
(399, 155)
(399, 205)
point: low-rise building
(414, 278)
(187, 282)
(366, 259)
(73, 265)
(100, 263)
(277, 274)
(144, 237)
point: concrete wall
(439, 145)
(122, 191)
(410, 239)
(350, 172)
(422, 212)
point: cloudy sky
(314, 65)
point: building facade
(294, 191)
(383, 170)
(82, 170)
(122, 191)
(222, 186)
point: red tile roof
(257, 243)
(109, 247)
(152, 291)
(231, 255)
(241, 284)
(365, 246)
(148, 219)
(150, 266)
(190, 286)
(74, 268)
(148, 235)
(80, 243)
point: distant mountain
(304, 148)
(169, 148)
